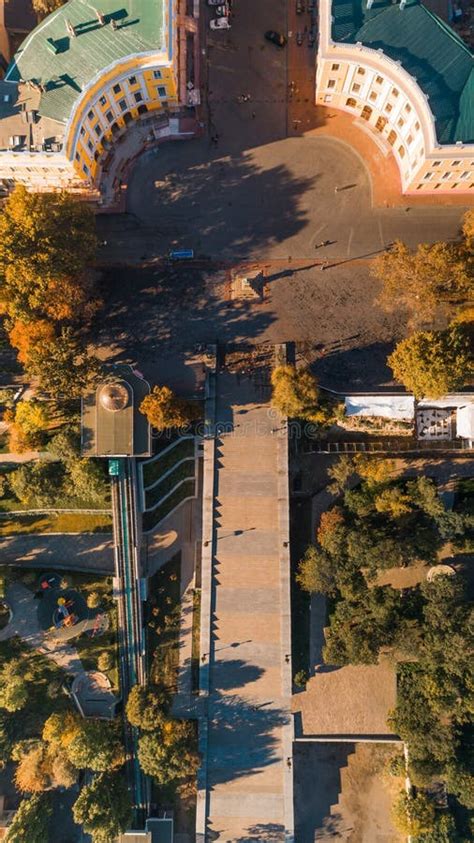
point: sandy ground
(342, 794)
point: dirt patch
(343, 792)
(348, 701)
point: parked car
(220, 23)
(276, 38)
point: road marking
(349, 242)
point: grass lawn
(152, 471)
(163, 611)
(65, 522)
(186, 490)
(182, 472)
(300, 531)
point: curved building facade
(86, 73)
(408, 80)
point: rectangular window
(417, 125)
(98, 130)
(407, 108)
(90, 145)
(132, 80)
(161, 91)
(86, 169)
(446, 176)
(409, 140)
(335, 67)
(157, 74)
(123, 105)
(436, 163)
(373, 96)
(109, 116)
(116, 89)
(78, 157)
(82, 131)
(379, 80)
(400, 122)
(356, 88)
(428, 176)
(464, 175)
(394, 92)
(454, 185)
(455, 164)
(401, 151)
(361, 71)
(392, 136)
(138, 96)
(331, 83)
(388, 108)
(91, 115)
(103, 100)
(437, 185)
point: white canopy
(401, 407)
(465, 421)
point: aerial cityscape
(236, 421)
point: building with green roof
(404, 74)
(89, 71)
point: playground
(63, 613)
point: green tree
(85, 480)
(164, 410)
(96, 746)
(341, 472)
(414, 814)
(168, 756)
(37, 483)
(31, 821)
(13, 692)
(66, 445)
(64, 367)
(295, 393)
(433, 363)
(105, 661)
(145, 707)
(360, 625)
(103, 807)
(419, 281)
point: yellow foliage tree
(433, 363)
(33, 773)
(374, 470)
(393, 501)
(61, 728)
(414, 814)
(165, 410)
(27, 337)
(295, 393)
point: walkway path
(78, 551)
(249, 765)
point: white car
(219, 23)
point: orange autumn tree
(28, 337)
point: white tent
(465, 421)
(400, 407)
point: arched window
(392, 136)
(351, 102)
(366, 112)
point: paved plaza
(249, 772)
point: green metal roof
(64, 65)
(427, 48)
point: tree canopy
(167, 754)
(295, 393)
(164, 410)
(433, 363)
(145, 707)
(103, 807)
(422, 280)
(31, 821)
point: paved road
(250, 784)
(79, 552)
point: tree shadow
(353, 369)
(315, 814)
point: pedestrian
(336, 190)
(253, 115)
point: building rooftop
(19, 132)
(64, 64)
(111, 424)
(428, 49)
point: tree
(33, 773)
(373, 470)
(96, 746)
(85, 480)
(30, 336)
(145, 707)
(93, 600)
(295, 393)
(168, 755)
(414, 814)
(393, 501)
(433, 363)
(165, 410)
(31, 821)
(105, 661)
(45, 7)
(43, 237)
(419, 281)
(64, 367)
(341, 473)
(65, 445)
(60, 728)
(316, 572)
(103, 807)
(64, 773)
(468, 228)
(361, 624)
(37, 483)
(13, 691)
